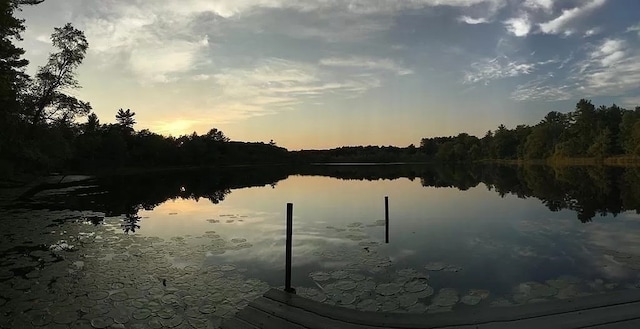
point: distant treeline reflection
(588, 191)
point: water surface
(209, 242)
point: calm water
(508, 235)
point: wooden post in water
(386, 219)
(287, 282)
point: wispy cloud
(276, 85)
(562, 23)
(634, 28)
(542, 88)
(472, 21)
(592, 32)
(229, 8)
(497, 68)
(546, 5)
(609, 68)
(368, 63)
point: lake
(189, 248)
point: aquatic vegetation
(85, 276)
(435, 266)
(320, 276)
(370, 305)
(445, 297)
(417, 285)
(528, 291)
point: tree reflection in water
(588, 191)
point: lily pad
(388, 289)
(435, 266)
(40, 318)
(406, 301)
(227, 268)
(370, 305)
(416, 285)
(119, 296)
(452, 268)
(532, 290)
(446, 297)
(438, 309)
(424, 293)
(141, 313)
(65, 317)
(101, 322)
(166, 313)
(98, 295)
(311, 293)
(172, 322)
(346, 298)
(345, 285)
(483, 294)
(470, 300)
(356, 277)
(389, 306)
(417, 308)
(320, 276)
(207, 309)
(366, 285)
(339, 274)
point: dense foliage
(586, 132)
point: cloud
(276, 85)
(609, 52)
(592, 32)
(542, 89)
(546, 5)
(609, 68)
(231, 8)
(154, 45)
(160, 63)
(631, 102)
(368, 63)
(498, 68)
(473, 21)
(518, 26)
(634, 28)
(560, 24)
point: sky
(316, 74)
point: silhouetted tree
(125, 119)
(45, 99)
(13, 81)
(216, 136)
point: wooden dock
(280, 310)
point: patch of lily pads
(94, 276)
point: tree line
(39, 130)
(586, 132)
